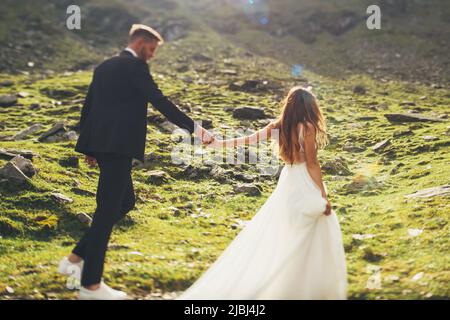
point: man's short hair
(141, 30)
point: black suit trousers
(115, 198)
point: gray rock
(401, 133)
(430, 192)
(167, 126)
(201, 57)
(25, 165)
(6, 83)
(71, 162)
(83, 192)
(400, 118)
(26, 132)
(9, 154)
(249, 113)
(157, 177)
(350, 147)
(407, 104)
(381, 145)
(84, 218)
(70, 136)
(13, 174)
(192, 172)
(220, 174)
(359, 89)
(249, 86)
(8, 100)
(337, 166)
(430, 138)
(58, 127)
(61, 198)
(249, 189)
(244, 177)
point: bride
(292, 248)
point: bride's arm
(312, 163)
(261, 135)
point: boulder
(400, 118)
(26, 132)
(8, 100)
(249, 189)
(13, 174)
(430, 192)
(249, 113)
(157, 177)
(25, 165)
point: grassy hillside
(396, 246)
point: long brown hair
(299, 106)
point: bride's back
(297, 137)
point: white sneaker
(68, 268)
(102, 293)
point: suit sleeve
(86, 106)
(147, 86)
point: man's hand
(328, 208)
(91, 161)
(205, 136)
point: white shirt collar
(132, 52)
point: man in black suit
(113, 127)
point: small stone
(84, 218)
(407, 103)
(9, 290)
(61, 198)
(430, 138)
(362, 236)
(359, 89)
(392, 278)
(381, 145)
(418, 276)
(83, 192)
(415, 232)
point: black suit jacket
(114, 114)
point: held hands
(206, 137)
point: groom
(113, 127)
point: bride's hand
(328, 208)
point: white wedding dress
(289, 250)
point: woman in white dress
(292, 248)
